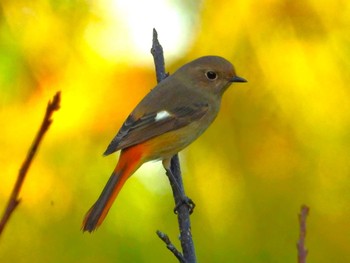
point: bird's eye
(211, 75)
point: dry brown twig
(14, 200)
(302, 251)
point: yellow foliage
(280, 141)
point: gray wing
(150, 125)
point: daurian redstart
(170, 117)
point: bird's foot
(185, 201)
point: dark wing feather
(135, 131)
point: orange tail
(130, 160)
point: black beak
(238, 79)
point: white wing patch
(162, 115)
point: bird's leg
(181, 196)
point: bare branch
(182, 209)
(158, 56)
(170, 246)
(14, 200)
(302, 251)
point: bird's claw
(185, 201)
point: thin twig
(170, 246)
(14, 200)
(158, 56)
(183, 211)
(302, 251)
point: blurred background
(281, 140)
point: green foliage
(280, 141)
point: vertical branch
(183, 211)
(14, 200)
(302, 251)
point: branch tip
(54, 104)
(164, 237)
(155, 34)
(14, 201)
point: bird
(169, 118)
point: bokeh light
(281, 140)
